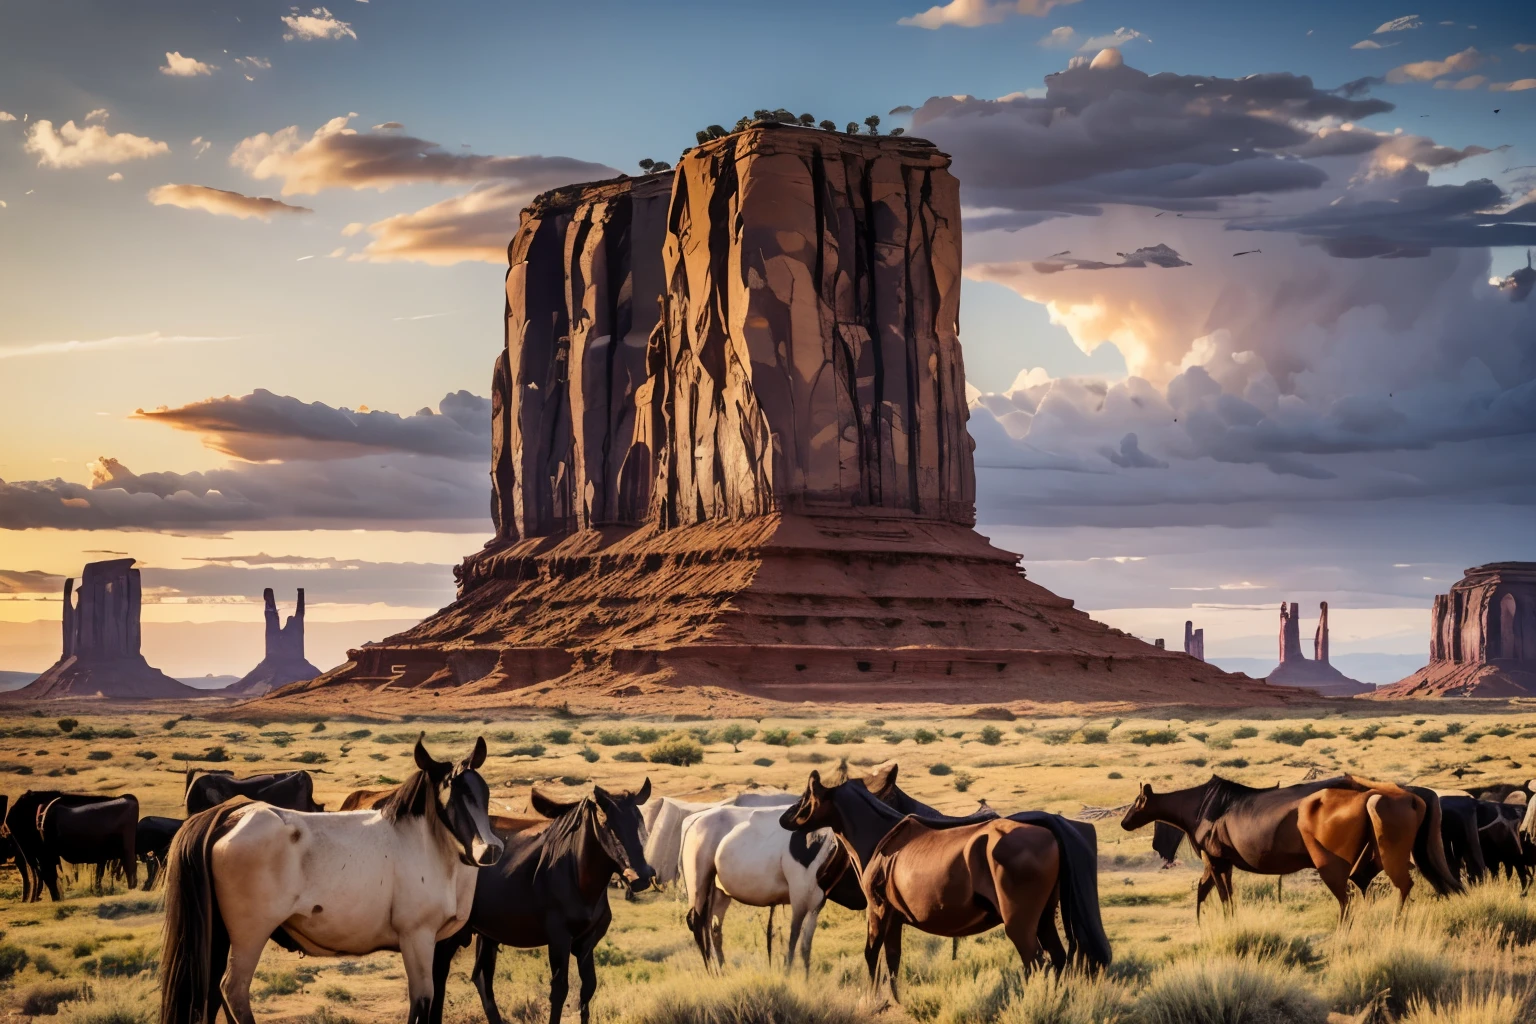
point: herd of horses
(424, 868)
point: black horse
(48, 826)
(551, 889)
(294, 791)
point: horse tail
(1078, 844)
(1429, 849)
(191, 918)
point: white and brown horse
(400, 876)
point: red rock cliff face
(1482, 640)
(811, 356)
(583, 291)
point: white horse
(401, 876)
(743, 854)
(663, 817)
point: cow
(89, 830)
(152, 842)
(294, 791)
(21, 823)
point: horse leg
(442, 961)
(1047, 935)
(719, 903)
(1224, 889)
(51, 879)
(245, 954)
(419, 951)
(484, 977)
(559, 972)
(874, 937)
(1394, 823)
(954, 947)
(1207, 882)
(893, 954)
(218, 959)
(585, 965)
(1331, 868)
(796, 920)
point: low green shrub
(678, 750)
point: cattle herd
(425, 868)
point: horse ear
(546, 805)
(477, 756)
(881, 780)
(426, 762)
(1146, 789)
(814, 782)
(644, 795)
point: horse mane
(1221, 794)
(413, 798)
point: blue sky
(299, 306)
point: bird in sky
(1247, 252)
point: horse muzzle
(483, 854)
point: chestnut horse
(963, 876)
(1347, 828)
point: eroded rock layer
(283, 661)
(855, 607)
(1482, 639)
(1315, 673)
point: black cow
(51, 827)
(152, 843)
(1464, 845)
(294, 791)
(1505, 851)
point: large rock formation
(284, 662)
(1296, 669)
(731, 462)
(100, 654)
(1194, 641)
(1482, 642)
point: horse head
(815, 808)
(463, 801)
(1141, 812)
(621, 832)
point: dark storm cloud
(386, 490)
(1113, 134)
(1411, 223)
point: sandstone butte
(100, 654)
(1482, 640)
(1315, 673)
(731, 467)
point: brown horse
(503, 825)
(962, 876)
(1347, 828)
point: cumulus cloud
(319, 23)
(470, 227)
(218, 201)
(72, 145)
(1371, 44)
(336, 156)
(6, 116)
(254, 64)
(975, 13)
(178, 66)
(262, 427)
(1517, 86)
(1114, 135)
(313, 467)
(1429, 70)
